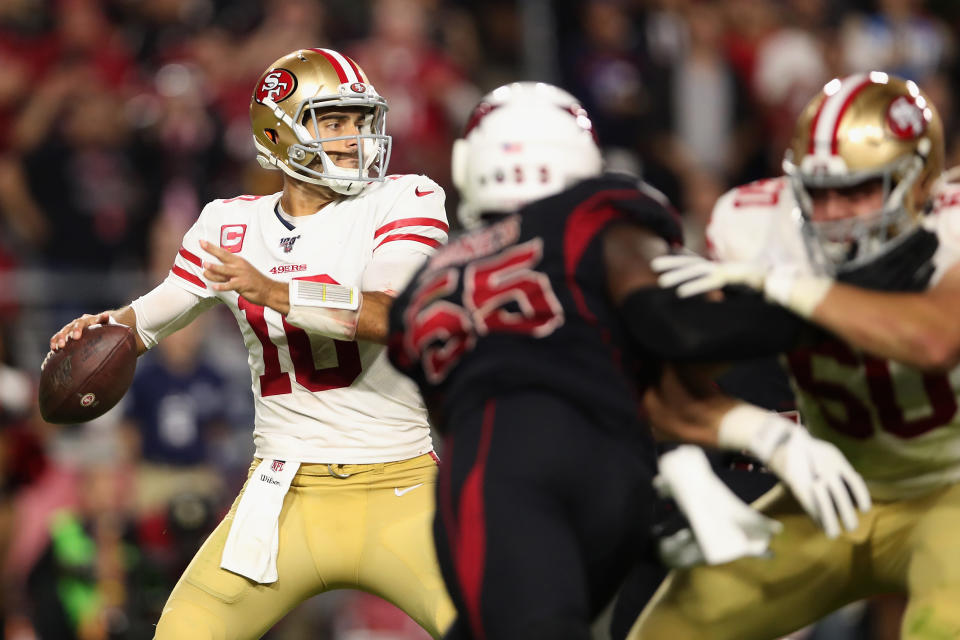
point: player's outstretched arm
(160, 312)
(822, 480)
(686, 406)
(679, 329)
(917, 329)
(374, 321)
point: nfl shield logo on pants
(277, 466)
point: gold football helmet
(869, 126)
(289, 95)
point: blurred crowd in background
(122, 118)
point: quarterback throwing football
(340, 493)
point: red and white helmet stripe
(826, 123)
(347, 70)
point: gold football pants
(369, 531)
(907, 546)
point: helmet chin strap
(266, 162)
(351, 182)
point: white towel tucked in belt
(253, 541)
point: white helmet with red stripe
(523, 142)
(288, 97)
(868, 126)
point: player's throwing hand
(233, 273)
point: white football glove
(722, 527)
(697, 275)
(824, 483)
(783, 285)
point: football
(87, 377)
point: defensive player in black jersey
(530, 338)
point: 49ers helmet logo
(277, 85)
(905, 119)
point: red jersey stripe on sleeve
(189, 277)
(190, 257)
(412, 222)
(430, 242)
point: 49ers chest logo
(905, 119)
(277, 85)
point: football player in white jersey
(340, 492)
(842, 240)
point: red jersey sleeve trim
(189, 277)
(189, 257)
(430, 242)
(412, 222)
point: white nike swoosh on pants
(400, 492)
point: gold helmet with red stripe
(288, 97)
(868, 126)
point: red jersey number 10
(275, 381)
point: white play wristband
(330, 310)
(750, 428)
(798, 293)
(321, 294)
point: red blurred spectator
(421, 83)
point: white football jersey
(318, 399)
(899, 427)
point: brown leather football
(87, 377)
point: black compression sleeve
(695, 329)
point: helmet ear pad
(458, 163)
(468, 215)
